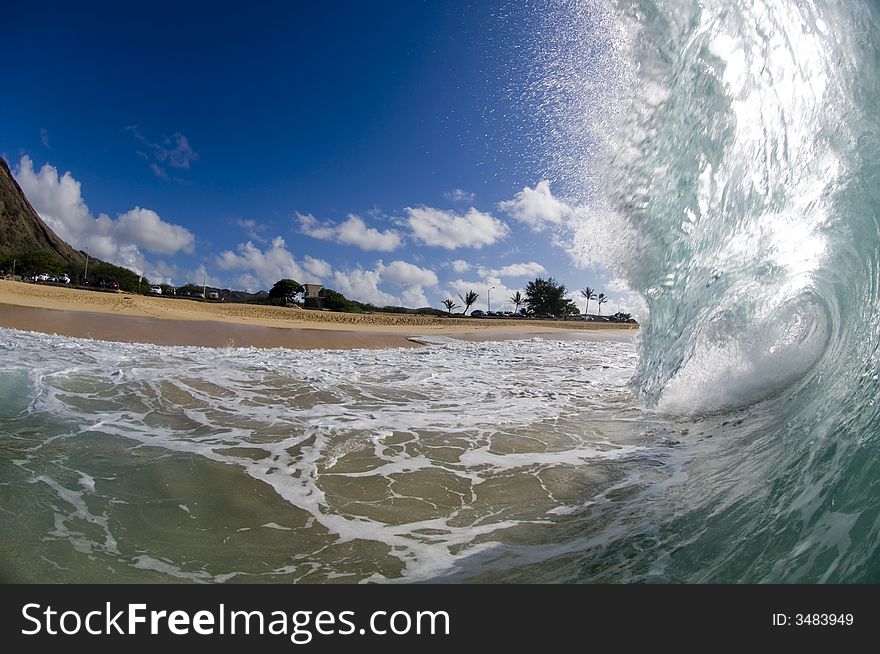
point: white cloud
(449, 230)
(261, 268)
(459, 195)
(58, 199)
(536, 207)
(407, 274)
(498, 296)
(265, 267)
(144, 227)
(530, 269)
(364, 285)
(317, 267)
(353, 231)
(414, 297)
(460, 265)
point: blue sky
(384, 149)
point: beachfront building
(312, 298)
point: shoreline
(122, 317)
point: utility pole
(205, 279)
(489, 299)
(86, 273)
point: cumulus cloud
(530, 269)
(406, 274)
(144, 227)
(460, 265)
(363, 286)
(409, 280)
(450, 230)
(459, 195)
(58, 199)
(353, 231)
(536, 207)
(318, 268)
(262, 268)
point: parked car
(478, 314)
(156, 290)
(42, 277)
(63, 278)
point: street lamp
(205, 279)
(489, 299)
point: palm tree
(469, 298)
(590, 294)
(450, 305)
(517, 299)
(601, 300)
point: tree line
(543, 297)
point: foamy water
(131, 461)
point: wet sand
(204, 333)
(173, 321)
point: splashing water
(743, 201)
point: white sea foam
(347, 438)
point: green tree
(601, 300)
(284, 291)
(590, 294)
(336, 301)
(546, 296)
(35, 262)
(450, 305)
(469, 298)
(517, 300)
(104, 274)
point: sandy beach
(176, 321)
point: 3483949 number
(823, 619)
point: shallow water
(133, 462)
